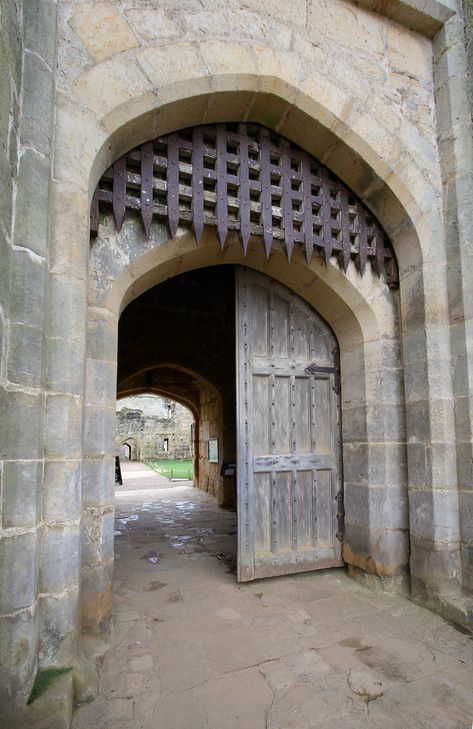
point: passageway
(191, 648)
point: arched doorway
(125, 451)
(361, 311)
(280, 413)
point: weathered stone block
(97, 537)
(21, 493)
(382, 552)
(98, 487)
(63, 426)
(386, 422)
(102, 29)
(417, 464)
(32, 219)
(96, 598)
(59, 565)
(126, 83)
(18, 567)
(376, 507)
(99, 437)
(66, 307)
(412, 301)
(442, 465)
(5, 252)
(28, 274)
(354, 424)
(409, 54)
(418, 421)
(40, 28)
(6, 185)
(465, 502)
(101, 377)
(36, 120)
(435, 568)
(355, 462)
(21, 425)
(25, 355)
(18, 656)
(149, 26)
(59, 377)
(434, 515)
(58, 629)
(465, 465)
(61, 491)
(53, 708)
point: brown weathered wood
(307, 197)
(147, 158)
(94, 214)
(379, 254)
(345, 226)
(222, 201)
(326, 216)
(198, 184)
(245, 229)
(289, 450)
(362, 240)
(173, 184)
(287, 198)
(266, 208)
(119, 191)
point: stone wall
(468, 17)
(148, 421)
(210, 426)
(383, 104)
(27, 62)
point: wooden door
(289, 455)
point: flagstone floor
(193, 649)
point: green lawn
(173, 469)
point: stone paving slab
(192, 648)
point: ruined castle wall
(148, 421)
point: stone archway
(319, 287)
(407, 216)
(130, 450)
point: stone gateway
(261, 211)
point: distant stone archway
(128, 450)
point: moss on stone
(44, 679)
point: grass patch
(44, 679)
(173, 469)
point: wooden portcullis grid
(246, 178)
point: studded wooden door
(290, 506)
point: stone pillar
(456, 156)
(99, 476)
(27, 62)
(376, 546)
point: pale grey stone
(59, 566)
(21, 493)
(19, 571)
